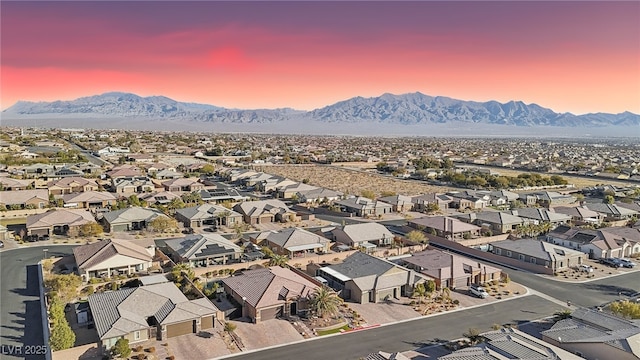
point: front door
(294, 308)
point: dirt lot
(350, 181)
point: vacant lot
(350, 181)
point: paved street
(20, 316)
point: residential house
(264, 211)
(580, 215)
(446, 227)
(158, 311)
(269, 293)
(547, 198)
(70, 185)
(290, 191)
(601, 243)
(10, 184)
(112, 257)
(88, 199)
(292, 242)
(208, 214)
(423, 202)
(538, 216)
(182, 184)
(200, 250)
(552, 256)
(140, 158)
(25, 199)
(221, 195)
(364, 207)
(612, 212)
(318, 195)
(364, 278)
(469, 200)
(364, 235)
(124, 171)
(130, 219)
(159, 198)
(127, 186)
(593, 335)
(399, 203)
(450, 270)
(167, 174)
(58, 222)
(510, 343)
(492, 222)
(113, 151)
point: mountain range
(388, 109)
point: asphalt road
(20, 315)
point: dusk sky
(573, 56)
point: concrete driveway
(266, 333)
(384, 313)
(195, 347)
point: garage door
(382, 294)
(272, 313)
(207, 322)
(180, 329)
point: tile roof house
(450, 270)
(539, 215)
(547, 198)
(494, 221)
(88, 199)
(182, 184)
(509, 343)
(447, 227)
(122, 171)
(37, 198)
(551, 256)
(70, 185)
(157, 311)
(10, 184)
(130, 219)
(106, 257)
(318, 195)
(362, 206)
(287, 190)
(612, 212)
(202, 250)
(601, 243)
(363, 235)
(132, 185)
(596, 335)
(58, 221)
(208, 214)
(421, 203)
(269, 293)
(580, 215)
(160, 198)
(399, 203)
(221, 195)
(293, 242)
(364, 278)
(264, 211)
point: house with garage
(598, 244)
(318, 196)
(546, 198)
(446, 227)
(157, 311)
(592, 335)
(11, 184)
(364, 235)
(159, 198)
(493, 222)
(363, 278)
(219, 195)
(399, 203)
(127, 186)
(58, 221)
(122, 171)
(182, 185)
(88, 200)
(612, 212)
(581, 215)
(550, 256)
(270, 293)
(292, 242)
(538, 216)
(264, 211)
(201, 250)
(423, 203)
(25, 199)
(112, 257)
(364, 207)
(70, 185)
(289, 191)
(208, 214)
(450, 270)
(130, 219)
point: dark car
(187, 230)
(611, 262)
(211, 229)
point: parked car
(478, 291)
(211, 229)
(585, 268)
(611, 262)
(187, 230)
(627, 263)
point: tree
(178, 272)
(121, 349)
(416, 236)
(62, 337)
(473, 335)
(64, 285)
(91, 229)
(432, 208)
(208, 169)
(163, 223)
(325, 301)
(278, 260)
(368, 194)
(563, 314)
(609, 199)
(626, 308)
(420, 291)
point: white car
(478, 291)
(585, 268)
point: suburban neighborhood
(199, 246)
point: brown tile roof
(92, 254)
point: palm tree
(420, 291)
(278, 260)
(563, 314)
(324, 301)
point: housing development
(179, 245)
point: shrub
(140, 356)
(121, 348)
(229, 327)
(456, 302)
(151, 349)
(138, 348)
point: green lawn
(333, 331)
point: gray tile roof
(295, 237)
(360, 264)
(367, 232)
(205, 211)
(536, 248)
(202, 245)
(128, 215)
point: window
(508, 253)
(498, 252)
(521, 257)
(533, 260)
(136, 335)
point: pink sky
(570, 56)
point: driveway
(266, 333)
(196, 347)
(384, 313)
